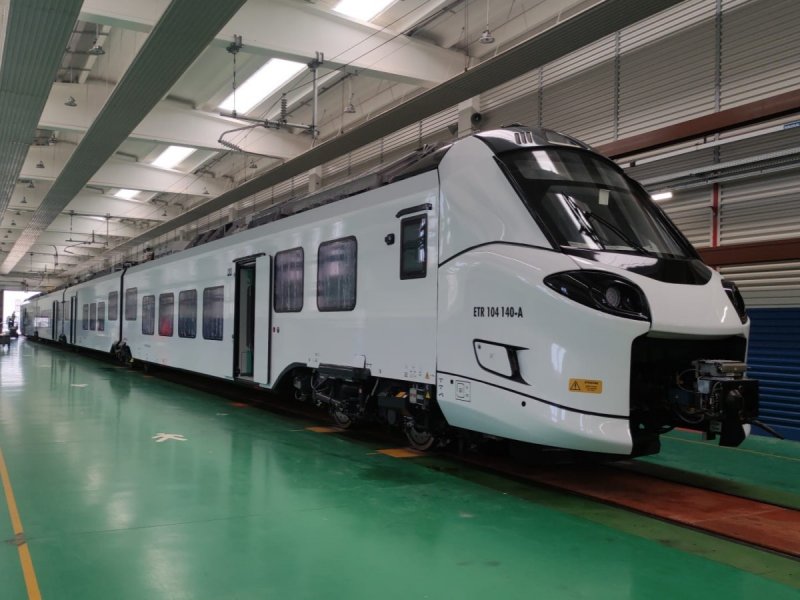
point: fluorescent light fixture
(262, 83)
(661, 196)
(126, 194)
(363, 10)
(172, 156)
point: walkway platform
(121, 485)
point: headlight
(602, 291)
(735, 298)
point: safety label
(587, 386)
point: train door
(248, 321)
(244, 320)
(54, 321)
(73, 318)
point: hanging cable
(233, 48)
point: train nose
(691, 309)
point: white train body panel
(496, 328)
(384, 325)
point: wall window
(187, 314)
(93, 316)
(288, 294)
(148, 314)
(85, 320)
(413, 247)
(336, 274)
(101, 316)
(213, 304)
(166, 314)
(131, 297)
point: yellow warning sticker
(586, 386)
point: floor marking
(238, 404)
(401, 452)
(79, 384)
(163, 437)
(22, 547)
(319, 429)
(706, 443)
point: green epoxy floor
(252, 505)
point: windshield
(586, 204)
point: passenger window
(113, 306)
(166, 314)
(413, 247)
(85, 321)
(101, 316)
(131, 307)
(148, 314)
(93, 316)
(187, 314)
(213, 304)
(336, 274)
(289, 267)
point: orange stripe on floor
(401, 452)
(28, 572)
(320, 429)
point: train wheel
(420, 439)
(341, 419)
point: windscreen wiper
(619, 232)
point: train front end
(572, 312)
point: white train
(513, 284)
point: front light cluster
(736, 299)
(602, 291)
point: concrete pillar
(314, 179)
(466, 125)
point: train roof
(426, 158)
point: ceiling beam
(118, 173)
(295, 30)
(169, 122)
(181, 34)
(731, 118)
(582, 29)
(36, 32)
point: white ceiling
(411, 46)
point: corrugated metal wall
(772, 294)
(774, 359)
(759, 209)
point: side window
(93, 316)
(85, 321)
(113, 306)
(187, 314)
(101, 316)
(166, 314)
(148, 314)
(413, 247)
(336, 274)
(131, 296)
(288, 294)
(213, 304)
